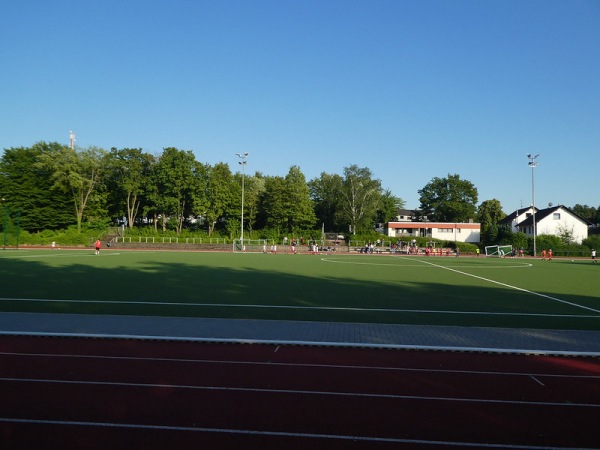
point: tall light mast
(533, 164)
(243, 164)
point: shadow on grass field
(359, 288)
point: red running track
(63, 393)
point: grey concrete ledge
(500, 340)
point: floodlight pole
(533, 164)
(243, 164)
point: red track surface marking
(94, 393)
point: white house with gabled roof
(555, 221)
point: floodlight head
(246, 154)
(529, 155)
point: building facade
(446, 231)
(554, 221)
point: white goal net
(253, 245)
(498, 251)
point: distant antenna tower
(72, 140)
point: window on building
(556, 216)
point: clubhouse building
(406, 228)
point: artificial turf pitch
(463, 291)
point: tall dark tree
(389, 205)
(76, 172)
(301, 210)
(173, 186)
(273, 201)
(286, 202)
(489, 214)
(26, 187)
(219, 197)
(449, 199)
(128, 175)
(589, 213)
(325, 193)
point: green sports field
(465, 291)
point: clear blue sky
(411, 89)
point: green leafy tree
(27, 187)
(128, 175)
(519, 240)
(301, 213)
(489, 214)
(448, 199)
(76, 172)
(173, 186)
(588, 213)
(389, 205)
(325, 193)
(219, 194)
(360, 198)
(254, 187)
(273, 204)
(286, 202)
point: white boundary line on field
(429, 263)
(60, 255)
(514, 265)
(509, 286)
(296, 307)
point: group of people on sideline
(369, 248)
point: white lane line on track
(537, 381)
(273, 433)
(297, 307)
(304, 365)
(509, 286)
(297, 392)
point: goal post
(498, 251)
(253, 245)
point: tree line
(54, 186)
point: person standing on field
(550, 255)
(594, 256)
(98, 245)
(544, 255)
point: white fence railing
(168, 240)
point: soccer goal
(498, 251)
(253, 245)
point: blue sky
(411, 89)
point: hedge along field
(464, 291)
